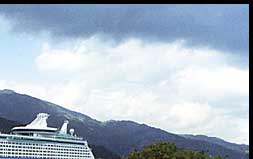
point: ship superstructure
(38, 141)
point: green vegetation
(164, 150)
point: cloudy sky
(182, 68)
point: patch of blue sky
(17, 53)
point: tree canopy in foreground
(167, 150)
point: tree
(217, 157)
(135, 154)
(167, 150)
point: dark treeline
(167, 150)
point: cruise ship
(38, 141)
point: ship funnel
(64, 127)
(39, 122)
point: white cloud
(187, 115)
(63, 60)
(168, 85)
(215, 82)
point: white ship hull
(46, 143)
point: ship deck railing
(38, 138)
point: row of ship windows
(45, 154)
(56, 147)
(7, 144)
(49, 157)
(56, 152)
(48, 151)
(44, 148)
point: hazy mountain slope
(7, 125)
(215, 140)
(118, 136)
(100, 152)
(25, 108)
(139, 135)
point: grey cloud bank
(219, 26)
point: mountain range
(116, 138)
(218, 141)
